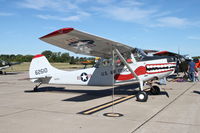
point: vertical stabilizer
(40, 67)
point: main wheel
(142, 96)
(155, 90)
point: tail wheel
(142, 96)
(155, 90)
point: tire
(142, 96)
(155, 90)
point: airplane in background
(5, 65)
(119, 64)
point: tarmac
(56, 108)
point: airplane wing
(84, 43)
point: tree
(51, 56)
(65, 57)
(47, 54)
(72, 61)
(19, 58)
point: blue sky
(147, 24)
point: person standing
(177, 67)
(196, 76)
(191, 70)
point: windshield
(139, 54)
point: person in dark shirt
(177, 67)
(191, 70)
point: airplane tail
(40, 68)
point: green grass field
(25, 67)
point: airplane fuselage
(103, 75)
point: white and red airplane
(119, 63)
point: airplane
(108, 71)
(5, 65)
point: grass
(25, 67)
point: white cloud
(138, 12)
(133, 11)
(132, 3)
(172, 22)
(77, 17)
(147, 17)
(105, 1)
(51, 17)
(6, 14)
(194, 37)
(126, 13)
(56, 5)
(68, 11)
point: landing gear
(155, 90)
(142, 96)
(3, 73)
(35, 89)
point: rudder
(39, 67)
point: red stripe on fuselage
(139, 71)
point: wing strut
(130, 69)
(126, 64)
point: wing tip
(58, 32)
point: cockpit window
(139, 54)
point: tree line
(51, 56)
(196, 57)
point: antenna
(178, 50)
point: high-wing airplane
(119, 64)
(5, 65)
